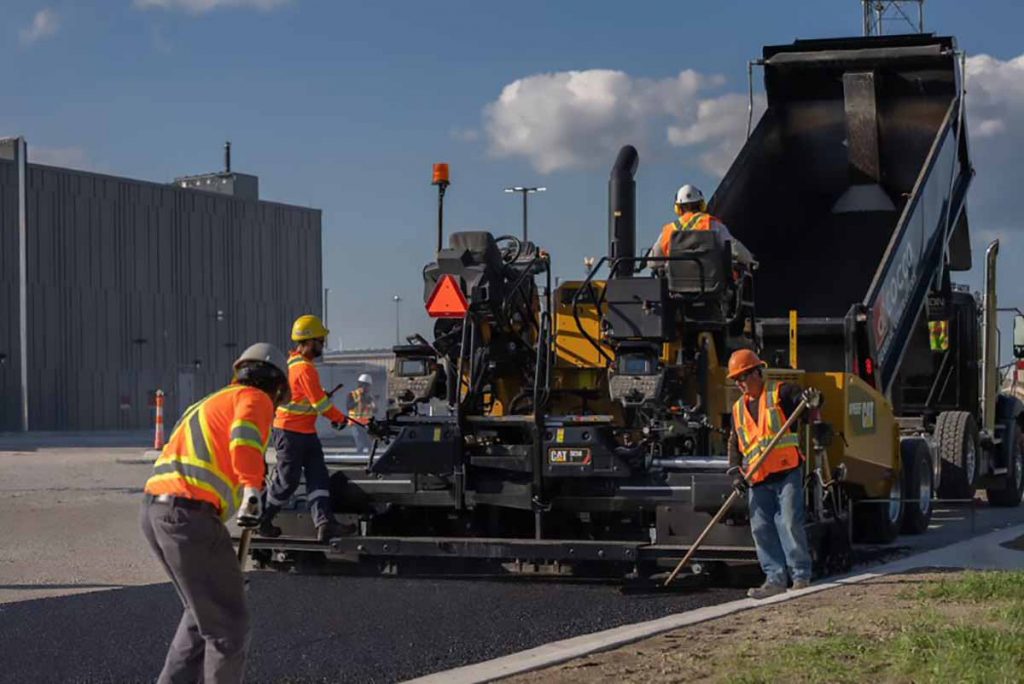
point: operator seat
(705, 274)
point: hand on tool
(812, 398)
(251, 510)
(340, 425)
(739, 483)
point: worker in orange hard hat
(298, 447)
(775, 490)
(692, 214)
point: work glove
(340, 425)
(812, 398)
(739, 483)
(251, 510)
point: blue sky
(345, 105)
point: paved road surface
(81, 600)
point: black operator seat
(705, 274)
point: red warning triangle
(447, 300)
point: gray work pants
(195, 549)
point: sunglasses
(743, 376)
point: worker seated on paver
(691, 213)
(773, 480)
(213, 464)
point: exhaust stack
(622, 211)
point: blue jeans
(777, 523)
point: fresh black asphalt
(311, 628)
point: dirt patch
(843, 634)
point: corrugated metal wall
(135, 286)
(10, 383)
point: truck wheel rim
(924, 493)
(895, 500)
(969, 458)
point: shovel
(735, 493)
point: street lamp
(398, 301)
(524, 192)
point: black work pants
(195, 549)
(298, 452)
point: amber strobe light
(440, 174)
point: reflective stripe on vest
(754, 437)
(938, 335)
(198, 465)
(358, 410)
(695, 220)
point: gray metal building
(133, 286)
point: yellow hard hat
(308, 327)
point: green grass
(978, 586)
(985, 645)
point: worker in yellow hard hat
(773, 481)
(692, 214)
(298, 446)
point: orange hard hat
(743, 360)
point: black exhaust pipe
(622, 212)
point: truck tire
(878, 522)
(917, 485)
(956, 441)
(1010, 493)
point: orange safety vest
(753, 437)
(308, 399)
(216, 449)
(691, 220)
(360, 410)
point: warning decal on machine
(569, 456)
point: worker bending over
(212, 466)
(691, 213)
(361, 408)
(776, 491)
(298, 446)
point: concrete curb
(982, 552)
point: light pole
(398, 301)
(524, 191)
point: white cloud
(67, 157)
(44, 24)
(574, 119)
(995, 117)
(204, 6)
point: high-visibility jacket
(359, 405)
(691, 220)
(216, 449)
(753, 436)
(938, 335)
(308, 399)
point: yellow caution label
(560, 435)
(437, 434)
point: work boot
(331, 529)
(766, 590)
(268, 529)
(800, 584)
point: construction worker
(212, 466)
(298, 446)
(691, 213)
(361, 407)
(775, 487)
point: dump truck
(586, 425)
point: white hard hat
(265, 353)
(365, 377)
(688, 194)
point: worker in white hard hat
(361, 407)
(692, 214)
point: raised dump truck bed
(851, 193)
